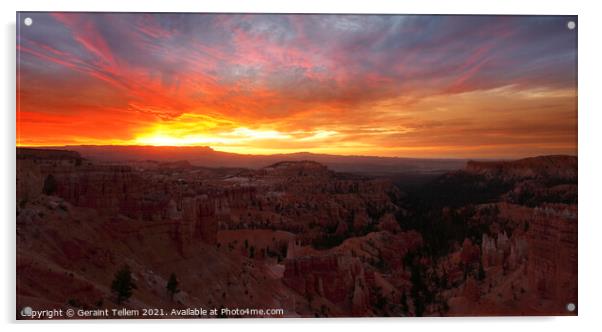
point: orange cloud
(370, 85)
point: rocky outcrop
(510, 239)
(341, 280)
(30, 165)
(503, 251)
(49, 156)
(552, 258)
(109, 189)
(292, 169)
(494, 249)
(548, 167)
(199, 213)
(119, 189)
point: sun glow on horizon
(233, 138)
(309, 83)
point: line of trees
(123, 285)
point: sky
(382, 85)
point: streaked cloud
(440, 86)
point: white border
(590, 108)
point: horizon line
(500, 158)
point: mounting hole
(571, 25)
(571, 307)
(28, 21)
(26, 312)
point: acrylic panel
(182, 165)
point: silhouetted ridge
(553, 166)
(48, 154)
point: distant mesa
(47, 154)
(298, 168)
(298, 164)
(553, 166)
(207, 157)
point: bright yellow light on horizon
(245, 140)
(165, 140)
(237, 136)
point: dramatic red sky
(411, 86)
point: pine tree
(405, 309)
(50, 185)
(418, 290)
(123, 284)
(481, 272)
(172, 285)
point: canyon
(487, 238)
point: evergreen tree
(50, 185)
(123, 284)
(172, 285)
(481, 272)
(418, 290)
(405, 309)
